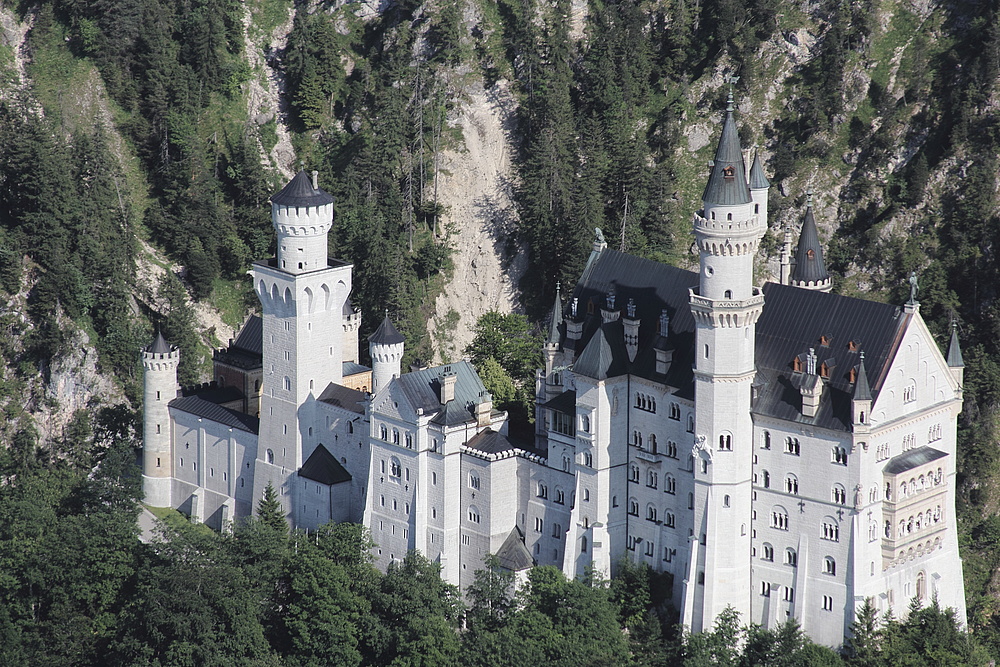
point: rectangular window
(539, 524)
(827, 603)
(789, 594)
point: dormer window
(824, 370)
(810, 254)
(728, 172)
(797, 365)
(824, 340)
(852, 376)
(852, 346)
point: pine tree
(269, 510)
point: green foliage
(269, 511)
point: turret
(955, 363)
(810, 270)
(759, 186)
(861, 399)
(552, 342)
(302, 215)
(785, 276)
(159, 361)
(386, 348)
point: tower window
(729, 294)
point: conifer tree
(269, 510)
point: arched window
(725, 500)
(726, 442)
(690, 425)
(671, 485)
(767, 440)
(583, 544)
(543, 491)
(921, 585)
(270, 456)
(651, 479)
(729, 294)
(839, 494)
(652, 443)
(650, 513)
(839, 456)
(766, 479)
(474, 514)
(791, 558)
(633, 507)
(829, 566)
(831, 530)
(395, 469)
(791, 484)
(395, 436)
(779, 518)
(350, 427)
(288, 383)
(383, 433)
(560, 496)
(668, 519)
(634, 474)
(767, 553)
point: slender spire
(727, 184)
(159, 345)
(954, 351)
(386, 334)
(557, 317)
(758, 181)
(810, 270)
(862, 392)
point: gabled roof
(422, 390)
(349, 368)
(199, 407)
(513, 555)
(386, 334)
(912, 459)
(727, 184)
(159, 345)
(758, 180)
(300, 192)
(809, 265)
(323, 467)
(343, 397)
(795, 320)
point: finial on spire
(809, 198)
(631, 308)
(731, 80)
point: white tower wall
(159, 388)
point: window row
(384, 436)
(645, 402)
(791, 559)
(916, 485)
(914, 523)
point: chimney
(484, 408)
(315, 180)
(447, 381)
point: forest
(886, 109)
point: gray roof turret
(557, 318)
(809, 265)
(758, 181)
(727, 184)
(954, 351)
(386, 334)
(300, 192)
(862, 392)
(159, 345)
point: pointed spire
(758, 181)
(810, 270)
(727, 184)
(386, 334)
(862, 392)
(159, 345)
(954, 351)
(557, 317)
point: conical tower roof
(758, 181)
(727, 184)
(556, 319)
(159, 345)
(386, 334)
(809, 265)
(862, 392)
(300, 192)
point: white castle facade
(778, 449)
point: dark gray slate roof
(513, 555)
(793, 321)
(954, 350)
(386, 334)
(214, 393)
(757, 178)
(323, 467)
(422, 390)
(198, 406)
(809, 266)
(490, 442)
(727, 184)
(159, 345)
(342, 397)
(912, 459)
(564, 402)
(349, 368)
(655, 287)
(251, 336)
(300, 192)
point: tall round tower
(302, 215)
(759, 186)
(159, 360)
(386, 348)
(725, 307)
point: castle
(780, 449)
